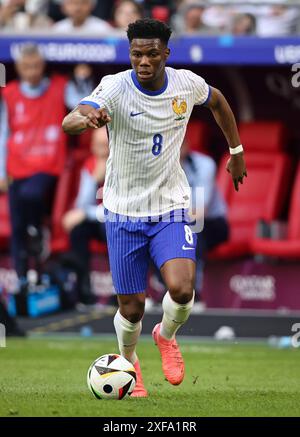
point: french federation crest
(179, 107)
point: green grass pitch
(47, 377)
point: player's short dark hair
(148, 29)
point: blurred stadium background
(250, 283)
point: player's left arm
(225, 119)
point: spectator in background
(79, 19)
(217, 17)
(20, 15)
(273, 20)
(200, 171)
(85, 222)
(32, 149)
(246, 19)
(126, 12)
(277, 20)
(243, 24)
(189, 19)
(80, 84)
(103, 9)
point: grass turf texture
(47, 377)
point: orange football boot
(172, 361)
(139, 389)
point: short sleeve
(200, 87)
(105, 95)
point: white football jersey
(143, 172)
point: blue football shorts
(132, 241)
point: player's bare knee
(185, 296)
(182, 292)
(135, 317)
(135, 312)
(132, 309)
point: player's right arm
(85, 117)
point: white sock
(175, 315)
(127, 334)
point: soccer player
(146, 110)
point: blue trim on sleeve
(88, 102)
(148, 92)
(208, 97)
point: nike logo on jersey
(187, 248)
(134, 114)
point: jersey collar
(148, 92)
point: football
(111, 376)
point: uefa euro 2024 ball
(111, 376)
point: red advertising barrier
(232, 284)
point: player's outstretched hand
(97, 118)
(237, 168)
